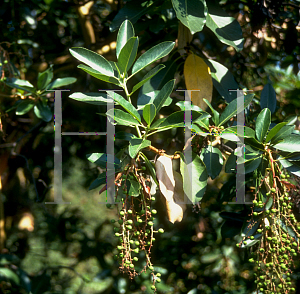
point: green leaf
(42, 111)
(6, 273)
(213, 160)
(282, 133)
(20, 84)
(268, 98)
(24, 106)
(98, 75)
(252, 164)
(230, 166)
(150, 168)
(125, 104)
(204, 123)
(153, 54)
(274, 131)
(91, 98)
(231, 109)
(216, 115)
(149, 98)
(61, 82)
(135, 145)
(122, 118)
(194, 184)
(182, 105)
(294, 156)
(163, 94)
(223, 80)
(192, 13)
(100, 159)
(253, 145)
(290, 143)
(262, 124)
(147, 77)
(98, 182)
(225, 27)
(124, 136)
(126, 32)
(131, 11)
(291, 166)
(160, 79)
(128, 54)
(133, 188)
(94, 60)
(232, 135)
(235, 216)
(250, 227)
(248, 242)
(149, 113)
(45, 78)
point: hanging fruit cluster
(274, 228)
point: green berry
(142, 212)
(152, 198)
(131, 265)
(135, 258)
(153, 287)
(120, 221)
(122, 213)
(259, 230)
(131, 241)
(129, 211)
(151, 268)
(117, 234)
(130, 221)
(161, 231)
(154, 211)
(140, 220)
(129, 227)
(108, 205)
(273, 190)
(150, 223)
(5, 61)
(112, 221)
(255, 213)
(136, 250)
(158, 274)
(158, 280)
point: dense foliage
(178, 227)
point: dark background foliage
(71, 247)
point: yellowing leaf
(197, 77)
(171, 187)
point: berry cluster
(274, 227)
(135, 225)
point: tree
(250, 37)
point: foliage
(161, 244)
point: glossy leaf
(248, 242)
(24, 106)
(194, 184)
(61, 82)
(94, 60)
(232, 135)
(147, 77)
(252, 164)
(98, 75)
(268, 98)
(150, 168)
(213, 160)
(135, 145)
(128, 54)
(20, 84)
(91, 98)
(282, 133)
(262, 124)
(291, 166)
(192, 13)
(133, 188)
(163, 94)
(216, 115)
(44, 78)
(121, 117)
(230, 166)
(225, 27)
(197, 77)
(290, 143)
(100, 159)
(149, 113)
(160, 79)
(231, 109)
(125, 104)
(183, 104)
(124, 136)
(230, 228)
(253, 145)
(8, 274)
(223, 80)
(132, 11)
(274, 131)
(98, 182)
(204, 123)
(149, 98)
(126, 32)
(43, 111)
(153, 54)
(249, 227)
